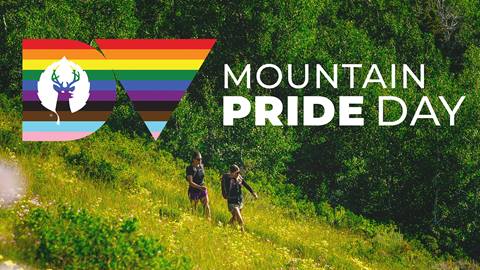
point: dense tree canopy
(424, 178)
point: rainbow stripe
(39, 124)
(155, 73)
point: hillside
(422, 179)
(115, 177)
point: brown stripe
(66, 116)
(155, 116)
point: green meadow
(331, 197)
(148, 185)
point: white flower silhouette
(63, 79)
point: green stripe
(93, 75)
(98, 75)
(32, 75)
(184, 75)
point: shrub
(73, 239)
(95, 168)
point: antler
(76, 78)
(55, 79)
(67, 90)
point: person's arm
(193, 184)
(190, 180)
(249, 188)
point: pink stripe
(53, 136)
(155, 135)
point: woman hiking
(232, 184)
(197, 191)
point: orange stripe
(58, 54)
(156, 54)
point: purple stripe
(155, 85)
(94, 96)
(156, 95)
(97, 85)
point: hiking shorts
(232, 206)
(196, 194)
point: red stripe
(54, 44)
(155, 43)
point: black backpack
(225, 186)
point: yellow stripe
(120, 64)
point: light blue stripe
(64, 126)
(155, 125)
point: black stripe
(64, 106)
(155, 105)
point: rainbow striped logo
(69, 88)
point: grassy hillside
(114, 177)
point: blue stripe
(94, 85)
(155, 125)
(155, 85)
(65, 126)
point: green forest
(371, 197)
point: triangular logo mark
(155, 73)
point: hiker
(197, 191)
(232, 184)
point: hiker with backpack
(232, 184)
(197, 191)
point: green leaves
(388, 173)
(68, 238)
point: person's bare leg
(239, 218)
(194, 205)
(243, 220)
(206, 207)
(232, 219)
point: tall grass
(149, 184)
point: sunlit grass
(273, 239)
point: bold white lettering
(346, 110)
(261, 113)
(229, 112)
(309, 118)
